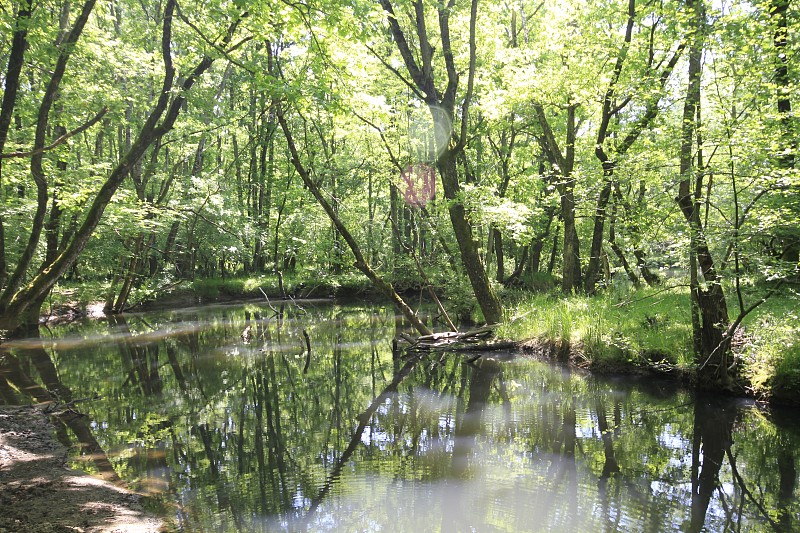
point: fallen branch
(458, 341)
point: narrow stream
(220, 413)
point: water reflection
(252, 418)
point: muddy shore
(39, 493)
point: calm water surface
(220, 413)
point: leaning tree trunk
(19, 43)
(608, 163)
(361, 263)
(37, 171)
(442, 103)
(476, 272)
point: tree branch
(397, 73)
(61, 140)
(405, 51)
(602, 132)
(473, 15)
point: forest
(490, 155)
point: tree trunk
(608, 161)
(19, 43)
(783, 82)
(37, 172)
(789, 236)
(361, 263)
(481, 286)
(712, 358)
(596, 250)
(612, 241)
(571, 268)
(497, 244)
(131, 275)
(442, 106)
(553, 253)
(563, 164)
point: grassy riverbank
(650, 330)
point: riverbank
(643, 333)
(40, 494)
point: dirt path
(39, 494)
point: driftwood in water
(476, 340)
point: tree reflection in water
(255, 432)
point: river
(222, 415)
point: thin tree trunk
(37, 171)
(596, 250)
(131, 275)
(712, 358)
(553, 253)
(779, 12)
(608, 161)
(789, 235)
(442, 105)
(497, 248)
(361, 263)
(563, 164)
(571, 267)
(19, 43)
(612, 241)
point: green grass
(214, 288)
(78, 294)
(614, 327)
(297, 285)
(654, 326)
